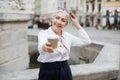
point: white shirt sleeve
(82, 38)
(42, 39)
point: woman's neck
(59, 33)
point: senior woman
(53, 61)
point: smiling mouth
(58, 25)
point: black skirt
(55, 71)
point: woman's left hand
(74, 20)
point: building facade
(37, 7)
(48, 6)
(93, 12)
(78, 7)
(89, 12)
(111, 13)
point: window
(64, 4)
(87, 7)
(107, 13)
(93, 7)
(99, 7)
(108, 0)
(99, 0)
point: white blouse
(65, 41)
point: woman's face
(59, 21)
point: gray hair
(63, 11)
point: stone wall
(84, 54)
(14, 15)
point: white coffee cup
(53, 39)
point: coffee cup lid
(52, 36)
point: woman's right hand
(47, 47)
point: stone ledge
(15, 15)
(29, 74)
(14, 56)
(105, 67)
(13, 65)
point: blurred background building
(90, 13)
(111, 14)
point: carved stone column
(14, 15)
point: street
(107, 36)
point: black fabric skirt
(55, 71)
